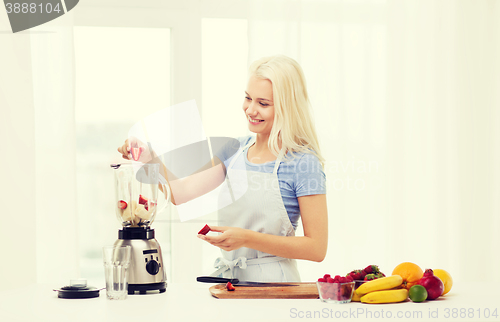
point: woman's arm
(312, 246)
(185, 189)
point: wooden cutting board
(301, 291)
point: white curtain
(52, 57)
(37, 169)
(405, 97)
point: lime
(417, 293)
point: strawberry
(136, 153)
(357, 274)
(122, 204)
(204, 230)
(370, 277)
(379, 275)
(371, 269)
(230, 286)
(153, 204)
(143, 200)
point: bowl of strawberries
(338, 289)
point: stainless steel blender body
(146, 272)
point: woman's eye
(264, 104)
(248, 98)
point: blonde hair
(293, 126)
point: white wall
(409, 85)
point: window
(121, 76)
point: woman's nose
(251, 110)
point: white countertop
(193, 302)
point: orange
(411, 273)
(445, 277)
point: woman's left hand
(231, 238)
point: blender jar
(136, 191)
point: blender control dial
(152, 267)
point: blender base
(144, 288)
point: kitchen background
(405, 97)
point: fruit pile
(337, 289)
(407, 281)
(137, 212)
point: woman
(285, 179)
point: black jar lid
(77, 289)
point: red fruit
(379, 275)
(230, 286)
(330, 280)
(349, 279)
(143, 200)
(322, 280)
(326, 276)
(122, 204)
(136, 153)
(370, 277)
(432, 284)
(346, 292)
(146, 205)
(371, 269)
(343, 279)
(204, 230)
(357, 274)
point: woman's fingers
(219, 229)
(213, 239)
(125, 150)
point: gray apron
(259, 208)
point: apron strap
(278, 161)
(237, 154)
(224, 265)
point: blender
(136, 204)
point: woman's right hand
(135, 149)
(125, 150)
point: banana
(384, 283)
(355, 297)
(388, 296)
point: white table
(193, 302)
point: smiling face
(258, 105)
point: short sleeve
(309, 178)
(225, 149)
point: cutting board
(300, 291)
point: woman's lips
(254, 121)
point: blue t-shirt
(299, 176)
